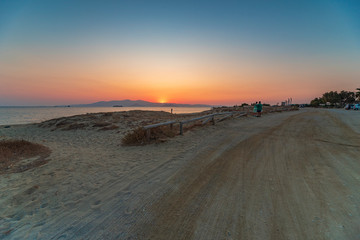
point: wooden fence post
(181, 128)
(148, 134)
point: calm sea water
(23, 115)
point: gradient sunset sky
(55, 52)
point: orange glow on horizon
(175, 77)
(162, 100)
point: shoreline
(146, 109)
(11, 115)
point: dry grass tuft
(101, 124)
(162, 132)
(13, 154)
(111, 127)
(75, 126)
(62, 123)
(108, 114)
(135, 137)
(138, 136)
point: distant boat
(117, 106)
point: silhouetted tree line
(336, 99)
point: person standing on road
(255, 108)
(259, 107)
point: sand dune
(290, 175)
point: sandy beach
(288, 175)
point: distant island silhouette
(136, 103)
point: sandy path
(292, 175)
(296, 180)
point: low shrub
(75, 126)
(108, 114)
(135, 137)
(139, 136)
(101, 124)
(111, 127)
(13, 151)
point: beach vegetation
(335, 99)
(101, 124)
(109, 127)
(135, 137)
(357, 94)
(316, 102)
(139, 136)
(20, 155)
(108, 114)
(75, 126)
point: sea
(25, 115)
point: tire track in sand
(279, 184)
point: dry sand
(290, 175)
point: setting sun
(162, 100)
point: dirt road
(295, 180)
(293, 175)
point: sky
(211, 52)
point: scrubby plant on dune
(101, 124)
(135, 137)
(111, 127)
(13, 154)
(139, 137)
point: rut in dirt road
(297, 180)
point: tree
(316, 102)
(335, 98)
(332, 97)
(347, 97)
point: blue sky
(324, 32)
(302, 23)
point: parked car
(349, 106)
(356, 106)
